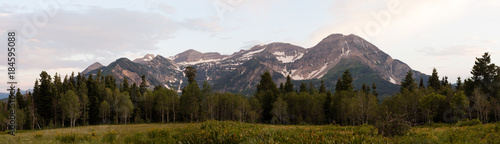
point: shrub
(468, 122)
(391, 125)
(67, 138)
(110, 137)
(38, 135)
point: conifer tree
(408, 82)
(322, 88)
(288, 85)
(433, 81)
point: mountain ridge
(241, 71)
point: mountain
(241, 71)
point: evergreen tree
(92, 87)
(44, 96)
(322, 88)
(345, 83)
(374, 90)
(21, 102)
(459, 84)
(408, 82)
(267, 93)
(125, 86)
(433, 81)
(303, 87)
(191, 94)
(311, 88)
(288, 85)
(143, 87)
(421, 84)
(190, 73)
(327, 106)
(483, 75)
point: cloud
(396, 19)
(211, 25)
(454, 51)
(74, 39)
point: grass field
(235, 132)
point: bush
(468, 122)
(391, 125)
(38, 135)
(110, 137)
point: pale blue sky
(425, 34)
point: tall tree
(190, 94)
(421, 84)
(433, 81)
(459, 84)
(190, 73)
(322, 88)
(288, 84)
(105, 110)
(43, 96)
(70, 106)
(143, 87)
(267, 93)
(279, 112)
(345, 83)
(484, 73)
(408, 82)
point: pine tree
(190, 73)
(288, 85)
(408, 82)
(267, 93)
(44, 96)
(421, 84)
(374, 90)
(125, 86)
(311, 88)
(303, 87)
(459, 84)
(190, 98)
(345, 83)
(21, 102)
(322, 88)
(143, 87)
(483, 75)
(433, 81)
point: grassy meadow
(228, 132)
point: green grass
(235, 132)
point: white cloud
(374, 20)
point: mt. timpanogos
(240, 72)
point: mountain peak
(92, 67)
(146, 58)
(192, 57)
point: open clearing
(236, 132)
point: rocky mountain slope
(241, 71)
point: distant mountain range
(240, 72)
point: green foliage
(390, 124)
(110, 137)
(433, 81)
(468, 122)
(408, 82)
(431, 104)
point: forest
(71, 101)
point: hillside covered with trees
(98, 99)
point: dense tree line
(99, 99)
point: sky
(64, 36)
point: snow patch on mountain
(200, 61)
(314, 74)
(287, 59)
(392, 80)
(249, 55)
